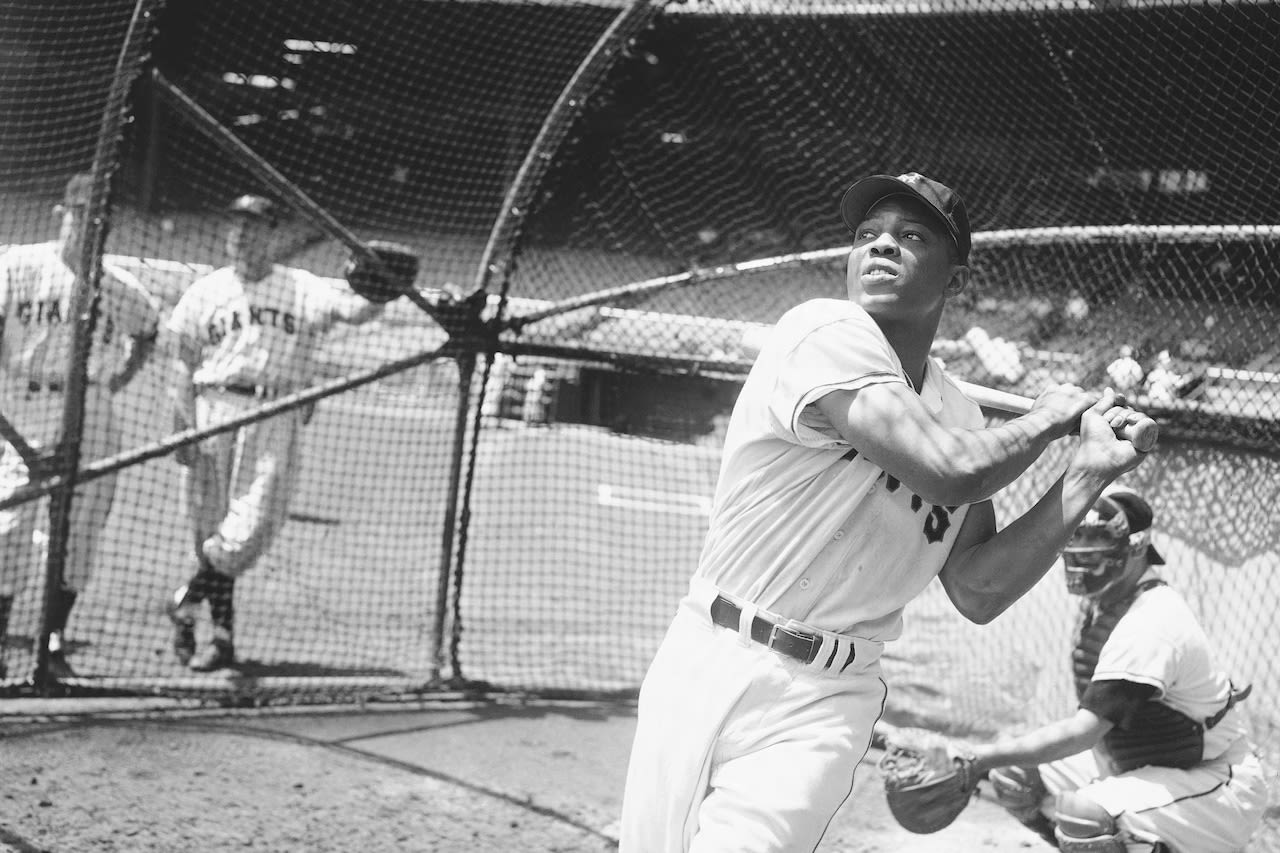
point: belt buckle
(778, 629)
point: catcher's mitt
(928, 779)
(385, 276)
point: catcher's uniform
(254, 341)
(1214, 805)
(761, 700)
(36, 289)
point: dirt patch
(159, 786)
(144, 788)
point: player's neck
(912, 342)
(251, 272)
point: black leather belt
(800, 645)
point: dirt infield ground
(479, 778)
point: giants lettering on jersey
(226, 322)
(49, 312)
(936, 522)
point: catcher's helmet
(1100, 553)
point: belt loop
(745, 619)
(828, 645)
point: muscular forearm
(985, 578)
(1052, 742)
(972, 465)
(944, 465)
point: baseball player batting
(36, 287)
(854, 472)
(241, 335)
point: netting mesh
(511, 490)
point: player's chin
(879, 301)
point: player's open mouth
(879, 273)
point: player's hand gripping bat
(1141, 430)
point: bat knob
(1141, 431)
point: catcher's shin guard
(1085, 827)
(1022, 793)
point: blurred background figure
(1000, 358)
(1163, 381)
(1076, 309)
(1125, 373)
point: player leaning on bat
(242, 335)
(854, 472)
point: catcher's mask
(1100, 553)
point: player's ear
(959, 280)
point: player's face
(70, 231)
(248, 244)
(902, 265)
(1094, 572)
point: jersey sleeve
(1116, 699)
(184, 320)
(322, 302)
(827, 346)
(1139, 649)
(135, 311)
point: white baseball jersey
(36, 289)
(802, 524)
(260, 333)
(1215, 806)
(737, 746)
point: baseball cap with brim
(866, 192)
(1139, 515)
(256, 206)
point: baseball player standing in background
(36, 287)
(854, 472)
(241, 335)
(1156, 757)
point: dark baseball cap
(256, 206)
(864, 194)
(1118, 516)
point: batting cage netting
(501, 481)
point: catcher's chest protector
(1155, 733)
(1095, 628)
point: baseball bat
(204, 121)
(1143, 432)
